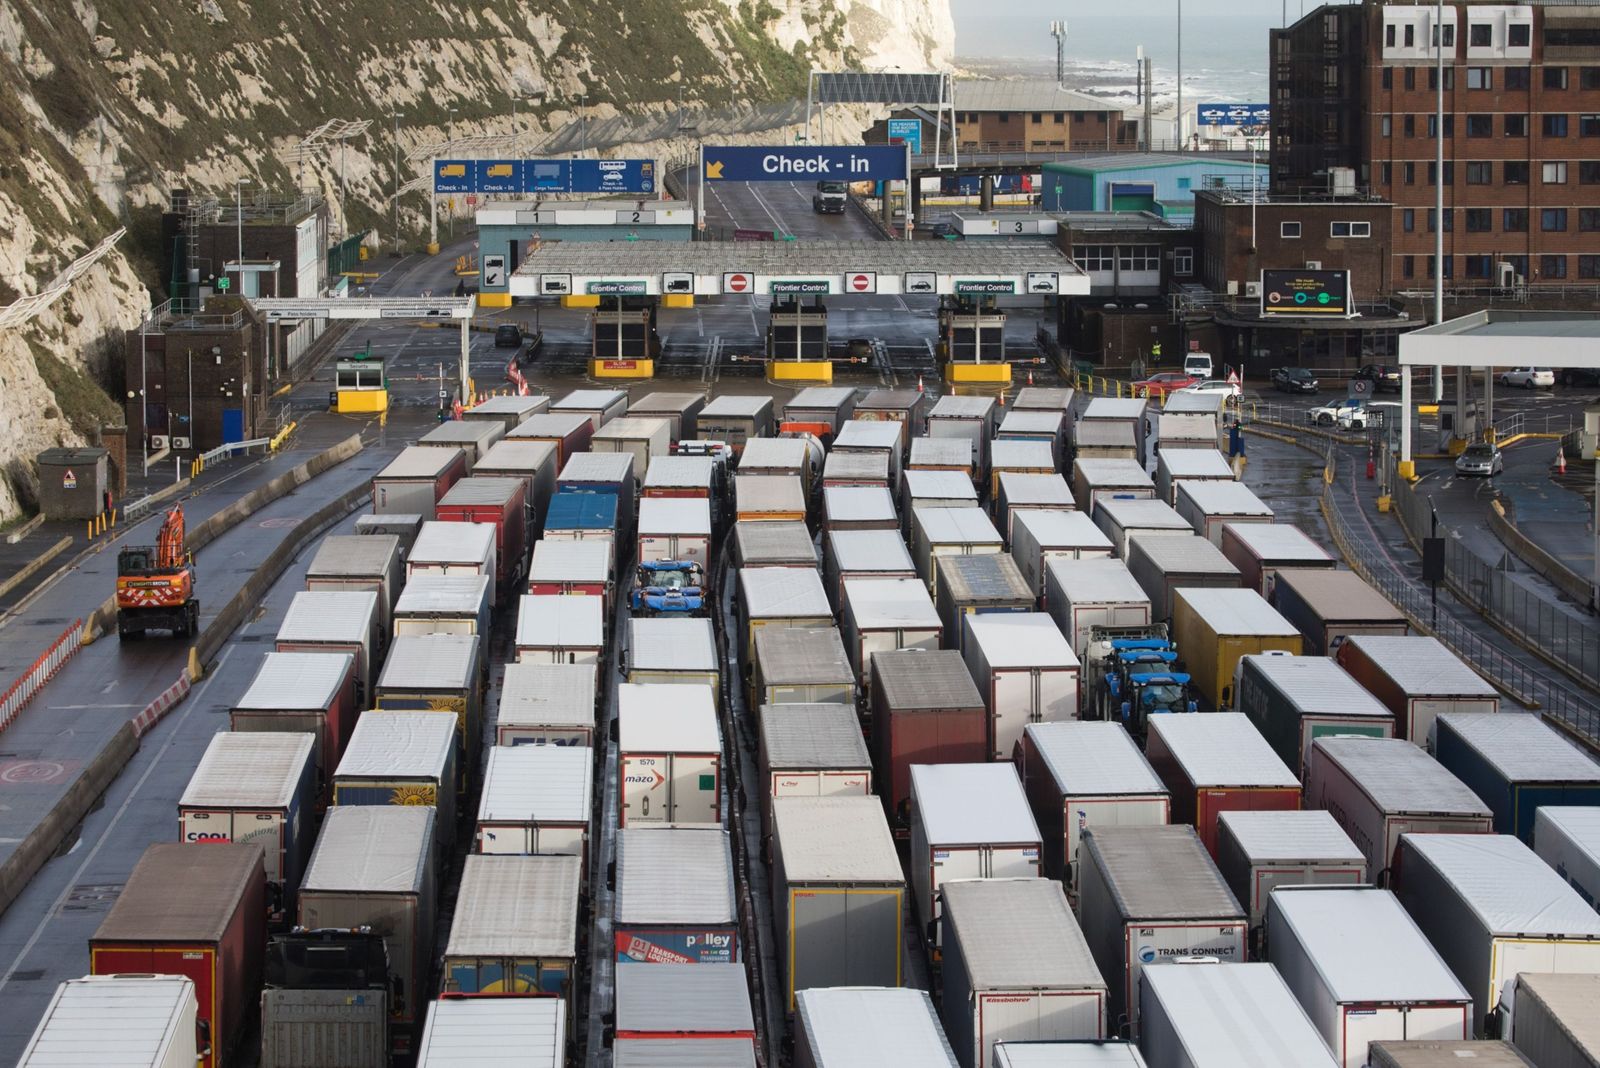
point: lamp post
(1438, 198)
(238, 214)
(1177, 114)
(583, 105)
(394, 201)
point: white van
(1197, 364)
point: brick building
(1037, 116)
(1354, 86)
(203, 376)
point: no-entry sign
(862, 282)
(738, 282)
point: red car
(1162, 384)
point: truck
(1094, 481)
(669, 588)
(733, 419)
(403, 525)
(439, 673)
(978, 585)
(945, 452)
(1026, 672)
(677, 651)
(568, 432)
(1123, 517)
(1209, 504)
(789, 457)
(925, 709)
(644, 439)
(1261, 550)
(1192, 419)
(1163, 564)
(515, 928)
(856, 469)
(198, 913)
(859, 508)
(1294, 700)
(155, 1016)
(335, 622)
(675, 899)
(1218, 763)
(1181, 1009)
(1173, 465)
(304, 693)
(801, 665)
(1416, 678)
(501, 505)
(1048, 425)
(1018, 456)
(1568, 839)
(155, 584)
(536, 799)
(939, 533)
(769, 498)
(605, 474)
(880, 615)
(850, 1027)
(457, 548)
(1258, 852)
(971, 419)
(326, 999)
(403, 758)
(1015, 966)
(777, 543)
(1024, 493)
(863, 554)
(679, 409)
(810, 750)
(921, 488)
(829, 199)
(560, 629)
(1329, 607)
(669, 749)
(474, 438)
(357, 562)
(823, 407)
(779, 597)
(1216, 626)
(582, 568)
(902, 406)
(1083, 594)
(415, 479)
(1103, 439)
(547, 704)
(1131, 674)
(460, 1029)
(1517, 763)
(871, 437)
(676, 529)
(599, 406)
(1126, 412)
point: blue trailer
(577, 515)
(602, 474)
(1517, 764)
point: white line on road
(766, 207)
(724, 205)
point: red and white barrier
(161, 705)
(42, 671)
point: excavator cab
(155, 585)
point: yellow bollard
(89, 530)
(196, 672)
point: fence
(42, 671)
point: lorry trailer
(679, 409)
(1209, 504)
(560, 629)
(469, 1030)
(415, 479)
(1216, 627)
(402, 758)
(1517, 763)
(1329, 607)
(983, 584)
(568, 432)
(1025, 671)
(355, 562)
(1568, 839)
(1261, 550)
(1294, 700)
(783, 543)
(138, 1021)
(1095, 480)
(801, 666)
(1083, 594)
(1122, 517)
(1218, 763)
(1040, 535)
(515, 928)
(332, 622)
(547, 704)
(675, 900)
(810, 750)
(438, 673)
(1416, 678)
(454, 548)
(536, 799)
(860, 1027)
(925, 710)
(863, 554)
(312, 693)
(881, 615)
(669, 756)
(1165, 563)
(1207, 1012)
(501, 505)
(1258, 852)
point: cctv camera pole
(700, 195)
(433, 209)
(1438, 203)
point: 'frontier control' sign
(797, 163)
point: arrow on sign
(714, 170)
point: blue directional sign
(452, 175)
(531, 177)
(805, 163)
(907, 132)
(497, 175)
(1234, 114)
(613, 176)
(546, 175)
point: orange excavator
(155, 586)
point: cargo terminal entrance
(624, 340)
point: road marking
(85, 708)
(724, 205)
(766, 207)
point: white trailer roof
(1018, 934)
(783, 593)
(601, 467)
(941, 452)
(971, 804)
(802, 656)
(864, 465)
(1081, 1054)
(1032, 421)
(952, 406)
(1104, 433)
(834, 840)
(399, 745)
(634, 428)
(1235, 1014)
(586, 560)
(1021, 639)
(1036, 490)
(1400, 778)
(1141, 513)
(297, 681)
(675, 1053)
(1344, 930)
(774, 454)
(469, 1032)
(546, 621)
(1222, 749)
(1033, 398)
(330, 616)
(890, 603)
(1222, 497)
(1302, 834)
(666, 401)
(683, 999)
(497, 490)
(1194, 402)
(680, 472)
(1182, 554)
(511, 906)
(1231, 611)
(859, 504)
(940, 484)
(480, 435)
(430, 662)
(1094, 759)
(1280, 541)
(590, 400)
(1114, 408)
(1021, 454)
(1102, 581)
(1110, 473)
(956, 526)
(736, 405)
(671, 645)
(511, 405)
(373, 849)
(1420, 665)
(1195, 463)
(871, 550)
(674, 875)
(443, 595)
(419, 462)
(824, 736)
(440, 542)
(540, 695)
(872, 1027)
(760, 542)
(106, 1021)
(768, 493)
(1052, 529)
(248, 769)
(545, 783)
(548, 425)
(667, 717)
(1581, 823)
(821, 397)
(1506, 885)
(356, 555)
(675, 515)
(868, 434)
(1523, 747)
(1318, 685)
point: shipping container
(560, 629)
(130, 1021)
(584, 517)
(779, 597)
(1163, 564)
(987, 584)
(404, 527)
(679, 651)
(838, 894)
(906, 407)
(1261, 550)
(690, 1005)
(1327, 943)
(1217, 763)
(438, 673)
(1105, 440)
(1015, 968)
(349, 562)
(1554, 1018)
(972, 419)
(510, 412)
(643, 438)
(675, 529)
(670, 756)
(256, 788)
(568, 432)
(1026, 672)
(314, 693)
(1568, 839)
(1145, 896)
(1294, 700)
(785, 543)
(734, 420)
(201, 914)
(403, 758)
(415, 479)
(1493, 909)
(769, 498)
(680, 410)
(574, 568)
(1258, 852)
(1083, 594)
(940, 453)
(968, 821)
(826, 406)
(883, 615)
(1107, 1054)
(810, 750)
(515, 927)
(1329, 607)
(1085, 774)
(856, 469)
(1038, 537)
(501, 505)
(1209, 504)
(1123, 517)
(863, 554)
(445, 604)
(536, 799)
(869, 1027)
(936, 488)
(1128, 412)
(1029, 424)
(925, 710)
(859, 508)
(1425, 1054)
(1218, 1014)
(943, 532)
(1022, 493)
(445, 548)
(1215, 627)
(528, 1031)
(1020, 458)
(374, 867)
(599, 406)
(1517, 763)
(675, 897)
(547, 704)
(1416, 678)
(1188, 465)
(801, 666)
(474, 439)
(871, 437)
(1095, 480)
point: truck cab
(829, 198)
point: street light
(583, 105)
(394, 202)
(1438, 200)
(238, 212)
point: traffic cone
(1561, 461)
(919, 383)
(1030, 376)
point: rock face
(105, 108)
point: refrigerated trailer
(1084, 594)
(1039, 536)
(675, 901)
(536, 799)
(676, 651)
(313, 693)
(938, 533)
(1416, 678)
(1568, 839)
(599, 406)
(453, 548)
(669, 756)
(1011, 456)
(1214, 763)
(472, 438)
(1261, 550)
(779, 597)
(1294, 700)
(1200, 1013)
(858, 1027)
(515, 928)
(644, 439)
(403, 758)
(445, 604)
(694, 1010)
(415, 479)
(936, 488)
(1330, 607)
(856, 469)
(133, 1021)
(1122, 517)
(1095, 480)
(769, 499)
(560, 629)
(925, 710)
(530, 1031)
(675, 529)
(1258, 852)
(863, 554)
(547, 704)
(1026, 672)
(880, 615)
(1209, 504)
(801, 666)
(509, 412)
(1517, 763)
(734, 420)
(1175, 465)
(941, 453)
(810, 750)
(584, 568)
(971, 419)
(359, 562)
(859, 508)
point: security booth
(359, 385)
(72, 483)
(625, 342)
(972, 333)
(796, 330)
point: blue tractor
(669, 588)
(1133, 675)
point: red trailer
(581, 568)
(311, 692)
(415, 480)
(198, 912)
(569, 432)
(925, 710)
(501, 503)
(1218, 763)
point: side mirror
(202, 1038)
(397, 985)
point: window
(1139, 257)
(1516, 126)
(1388, 37)
(1038, 117)
(1350, 229)
(1408, 266)
(1183, 261)
(1589, 77)
(1554, 173)
(1589, 125)
(1289, 229)
(1589, 172)
(1449, 75)
(1060, 117)
(1519, 35)
(1514, 220)
(1449, 266)
(1096, 257)
(1449, 173)
(1409, 171)
(1554, 125)
(1385, 174)
(1480, 78)
(1185, 183)
(1553, 266)
(1476, 266)
(1589, 219)
(1480, 172)
(1480, 35)
(1386, 126)
(1514, 172)
(1449, 220)
(1410, 125)
(1571, 37)
(1519, 78)
(1408, 219)
(1553, 220)
(1449, 125)
(1589, 266)
(1411, 72)
(1449, 36)
(1479, 220)
(1387, 77)
(1005, 116)
(1480, 125)
(1411, 40)
(1555, 77)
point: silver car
(1529, 377)
(1481, 459)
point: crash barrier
(43, 670)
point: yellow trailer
(1214, 627)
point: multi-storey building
(1355, 86)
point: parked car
(508, 336)
(1382, 376)
(1529, 377)
(1215, 385)
(860, 348)
(1339, 411)
(1293, 380)
(1580, 376)
(1161, 384)
(1480, 459)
